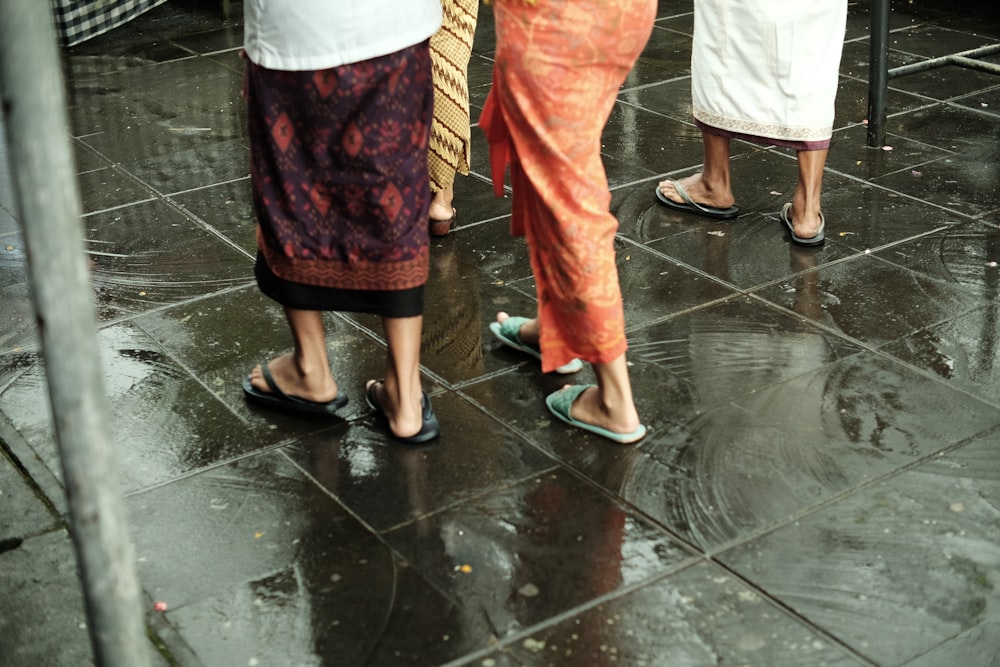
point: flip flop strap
(512, 327)
(687, 198)
(272, 385)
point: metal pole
(49, 210)
(878, 68)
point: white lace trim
(763, 129)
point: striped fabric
(451, 48)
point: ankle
(312, 373)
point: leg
(304, 372)
(610, 406)
(806, 202)
(526, 339)
(451, 50)
(400, 393)
(712, 185)
(441, 205)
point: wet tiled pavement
(821, 481)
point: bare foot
(318, 386)
(806, 224)
(528, 333)
(441, 206)
(439, 214)
(590, 408)
(700, 191)
(405, 421)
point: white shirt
(297, 35)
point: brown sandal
(442, 227)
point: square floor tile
(700, 616)
(473, 456)
(536, 550)
(150, 255)
(163, 422)
(917, 551)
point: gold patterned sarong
(451, 48)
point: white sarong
(768, 69)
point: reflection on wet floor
(819, 485)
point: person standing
(451, 131)
(559, 65)
(764, 71)
(339, 100)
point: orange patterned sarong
(559, 65)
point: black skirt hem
(298, 296)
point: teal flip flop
(560, 402)
(507, 332)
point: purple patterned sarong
(340, 183)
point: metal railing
(879, 72)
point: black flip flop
(691, 206)
(428, 431)
(810, 242)
(279, 400)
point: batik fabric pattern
(451, 131)
(339, 171)
(559, 65)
